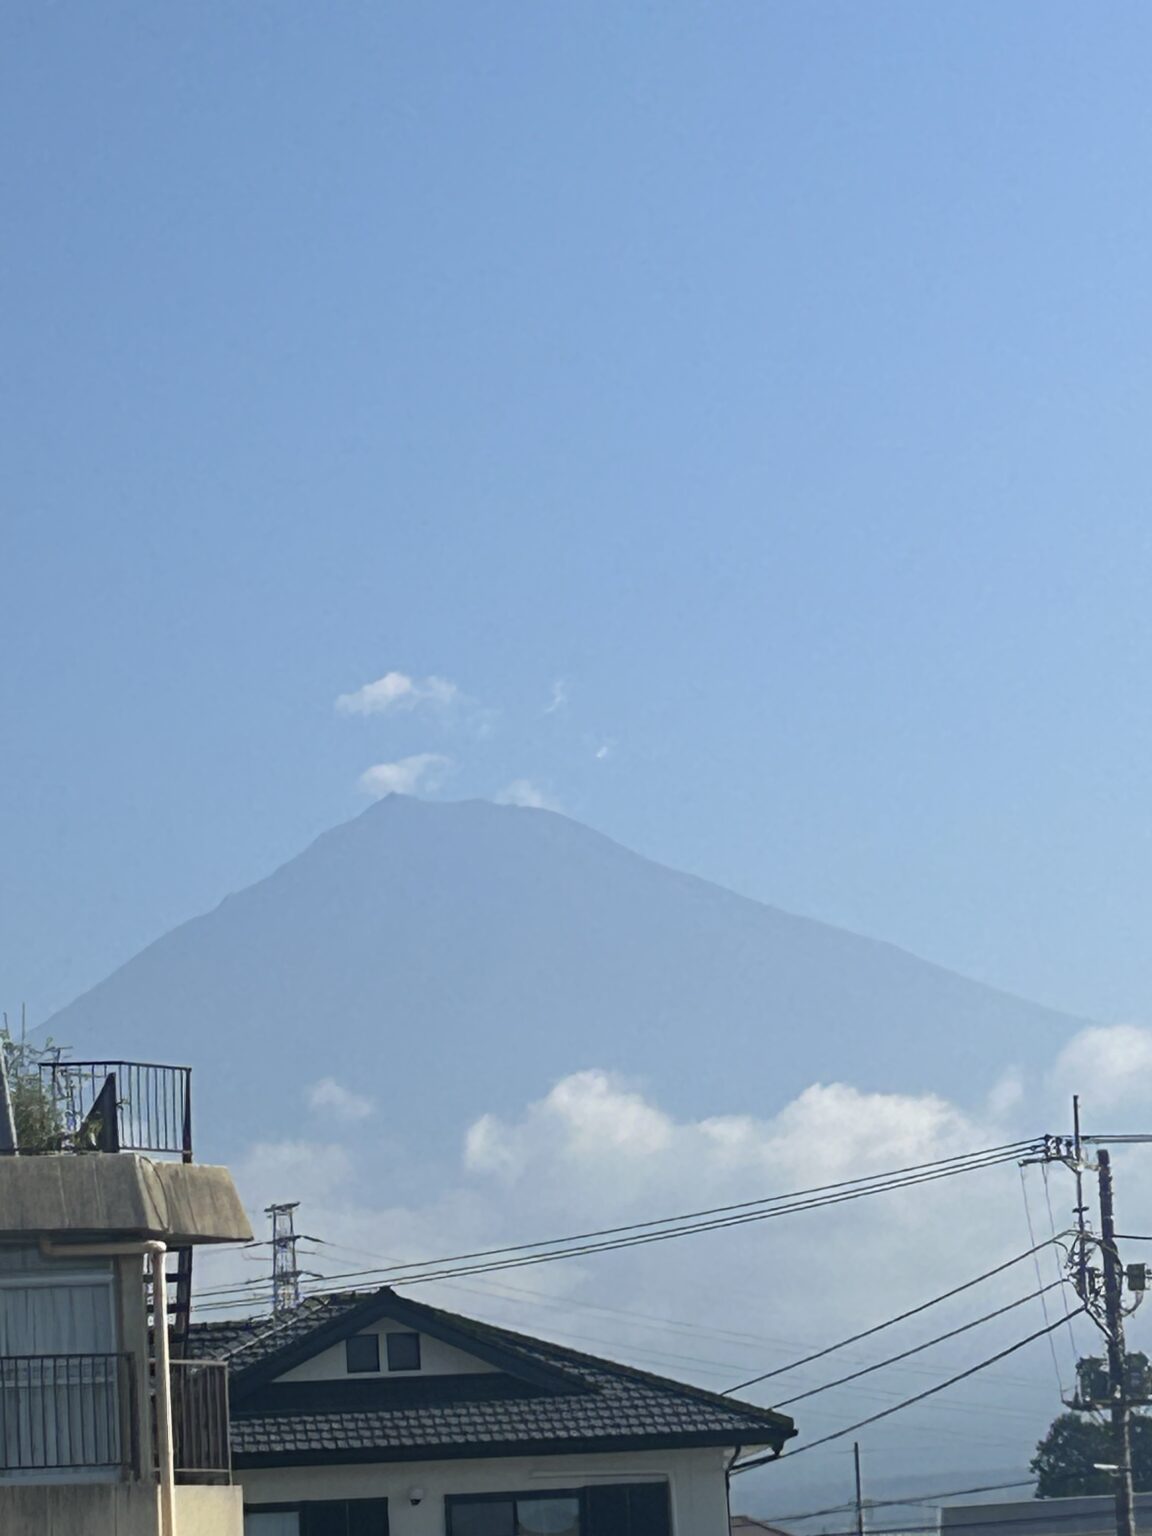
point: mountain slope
(448, 959)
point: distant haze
(452, 958)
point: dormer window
(403, 1351)
(362, 1353)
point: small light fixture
(415, 1495)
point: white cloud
(559, 697)
(597, 1151)
(327, 1096)
(604, 750)
(525, 792)
(312, 1172)
(397, 691)
(1110, 1066)
(424, 770)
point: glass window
(548, 1517)
(59, 1376)
(362, 1353)
(482, 1517)
(547, 1514)
(319, 1517)
(403, 1351)
(367, 1517)
(280, 1522)
(628, 1509)
(606, 1509)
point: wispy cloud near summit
(525, 792)
(397, 691)
(424, 770)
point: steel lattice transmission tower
(285, 1273)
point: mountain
(452, 958)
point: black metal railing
(119, 1106)
(62, 1412)
(200, 1419)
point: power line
(1052, 1226)
(1036, 1260)
(889, 1322)
(916, 1348)
(907, 1402)
(637, 1234)
(952, 1493)
(567, 1304)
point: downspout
(165, 1446)
(732, 1460)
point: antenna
(285, 1274)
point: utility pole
(859, 1489)
(1113, 1277)
(285, 1274)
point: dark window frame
(362, 1370)
(301, 1506)
(513, 1497)
(408, 1338)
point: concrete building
(106, 1427)
(365, 1414)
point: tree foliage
(39, 1123)
(1066, 1459)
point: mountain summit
(451, 958)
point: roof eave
(489, 1449)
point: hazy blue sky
(774, 375)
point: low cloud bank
(595, 1151)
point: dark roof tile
(591, 1400)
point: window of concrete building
(60, 1375)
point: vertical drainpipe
(165, 1449)
(728, 1465)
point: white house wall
(436, 1359)
(696, 1480)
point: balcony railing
(67, 1412)
(119, 1106)
(200, 1420)
(61, 1413)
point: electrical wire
(637, 1234)
(929, 1499)
(908, 1402)
(1036, 1259)
(927, 1344)
(568, 1304)
(877, 1184)
(889, 1322)
(1072, 1343)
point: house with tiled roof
(368, 1414)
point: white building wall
(696, 1479)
